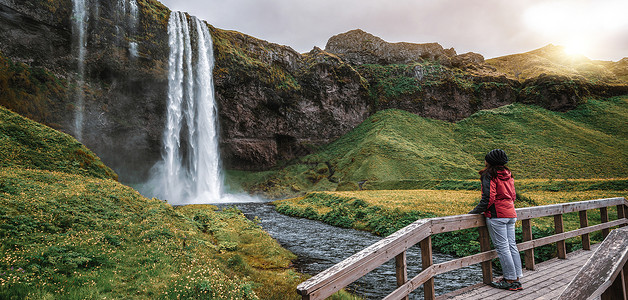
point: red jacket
(498, 196)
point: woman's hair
(492, 170)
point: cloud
(489, 27)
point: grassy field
(69, 230)
(394, 149)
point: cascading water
(133, 14)
(79, 28)
(190, 170)
(127, 15)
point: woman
(498, 206)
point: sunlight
(576, 48)
(578, 25)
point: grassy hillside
(78, 237)
(28, 144)
(553, 60)
(589, 142)
(69, 230)
(395, 149)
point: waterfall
(79, 27)
(127, 16)
(190, 168)
(133, 21)
(133, 14)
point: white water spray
(190, 170)
(79, 27)
(133, 14)
(127, 17)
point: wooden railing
(605, 274)
(395, 245)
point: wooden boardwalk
(546, 282)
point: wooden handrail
(604, 273)
(394, 246)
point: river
(320, 246)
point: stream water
(320, 246)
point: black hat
(497, 157)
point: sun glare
(576, 24)
(576, 48)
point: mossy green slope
(397, 146)
(589, 142)
(69, 230)
(28, 144)
(67, 236)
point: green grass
(28, 144)
(69, 230)
(72, 236)
(394, 149)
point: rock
(274, 103)
(359, 47)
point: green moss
(72, 236)
(349, 213)
(27, 144)
(236, 57)
(33, 92)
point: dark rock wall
(274, 104)
(124, 94)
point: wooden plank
(454, 223)
(347, 271)
(561, 249)
(616, 290)
(621, 212)
(557, 209)
(601, 269)
(412, 284)
(485, 245)
(566, 235)
(604, 219)
(401, 270)
(465, 262)
(547, 281)
(584, 222)
(427, 262)
(527, 236)
(625, 271)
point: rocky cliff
(274, 103)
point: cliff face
(124, 92)
(274, 103)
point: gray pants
(502, 231)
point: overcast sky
(596, 28)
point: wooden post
(584, 222)
(527, 236)
(401, 270)
(485, 245)
(559, 228)
(426, 262)
(625, 277)
(621, 213)
(617, 290)
(604, 219)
